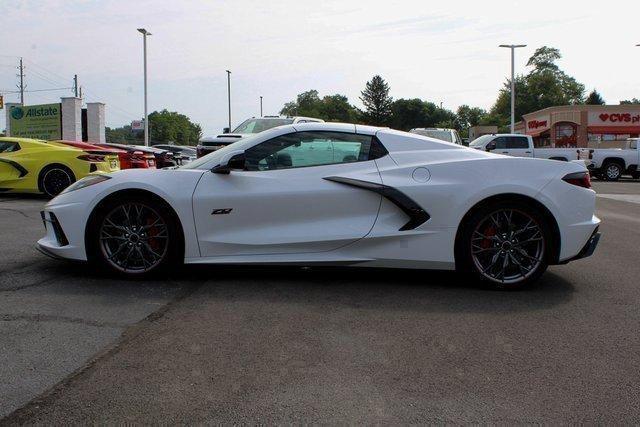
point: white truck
(518, 145)
(611, 163)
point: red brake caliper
(151, 232)
(489, 231)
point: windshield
(442, 135)
(259, 125)
(480, 141)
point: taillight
(91, 158)
(581, 179)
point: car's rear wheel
(134, 236)
(54, 179)
(506, 245)
(612, 171)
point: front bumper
(61, 239)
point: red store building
(593, 126)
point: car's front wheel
(133, 236)
(506, 244)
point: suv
(448, 135)
(248, 127)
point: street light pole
(229, 95)
(145, 33)
(260, 105)
(513, 47)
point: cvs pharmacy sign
(614, 119)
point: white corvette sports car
(333, 194)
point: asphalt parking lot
(274, 345)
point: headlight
(86, 182)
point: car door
(10, 169)
(282, 202)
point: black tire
(635, 175)
(147, 244)
(55, 178)
(612, 171)
(480, 250)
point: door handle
(505, 152)
(527, 152)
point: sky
(445, 51)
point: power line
(37, 90)
(45, 74)
(47, 70)
(48, 80)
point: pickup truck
(518, 145)
(611, 163)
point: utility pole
(145, 33)
(75, 85)
(22, 86)
(513, 47)
(229, 95)
(260, 105)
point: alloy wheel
(56, 180)
(613, 171)
(507, 246)
(134, 238)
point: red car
(130, 158)
(108, 157)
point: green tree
(336, 108)
(633, 101)
(594, 98)
(169, 126)
(377, 102)
(123, 135)
(546, 85)
(332, 108)
(468, 116)
(407, 114)
(306, 104)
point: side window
(517, 142)
(8, 147)
(304, 149)
(501, 143)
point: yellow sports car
(35, 166)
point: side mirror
(491, 146)
(226, 130)
(236, 162)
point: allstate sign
(36, 121)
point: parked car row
(38, 166)
(604, 163)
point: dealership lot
(320, 345)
